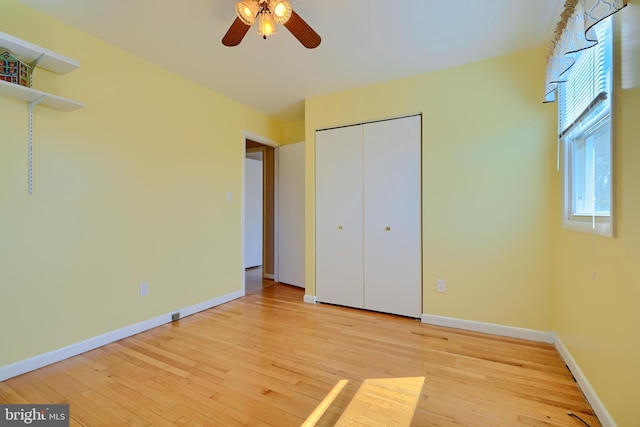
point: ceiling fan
(268, 13)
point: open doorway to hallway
(260, 216)
(282, 213)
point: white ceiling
(363, 41)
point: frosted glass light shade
(247, 11)
(281, 10)
(266, 24)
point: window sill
(602, 226)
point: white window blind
(588, 83)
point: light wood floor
(270, 359)
(254, 283)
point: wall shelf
(29, 95)
(36, 57)
(41, 57)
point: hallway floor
(254, 282)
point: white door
(339, 276)
(253, 213)
(291, 214)
(392, 216)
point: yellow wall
(488, 147)
(294, 132)
(598, 319)
(130, 189)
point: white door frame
(266, 141)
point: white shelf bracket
(35, 62)
(32, 105)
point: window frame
(588, 122)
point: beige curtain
(574, 33)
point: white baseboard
(603, 415)
(36, 362)
(489, 328)
(310, 299)
(269, 276)
(196, 308)
(528, 334)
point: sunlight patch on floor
(326, 402)
(378, 401)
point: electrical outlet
(441, 285)
(144, 289)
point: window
(584, 114)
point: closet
(368, 216)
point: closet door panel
(392, 216)
(339, 256)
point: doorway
(260, 216)
(283, 213)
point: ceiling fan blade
(235, 33)
(302, 31)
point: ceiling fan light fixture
(266, 24)
(247, 11)
(281, 10)
(269, 13)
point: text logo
(34, 415)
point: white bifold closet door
(339, 178)
(392, 217)
(368, 216)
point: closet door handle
(339, 227)
(388, 228)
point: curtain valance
(574, 33)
